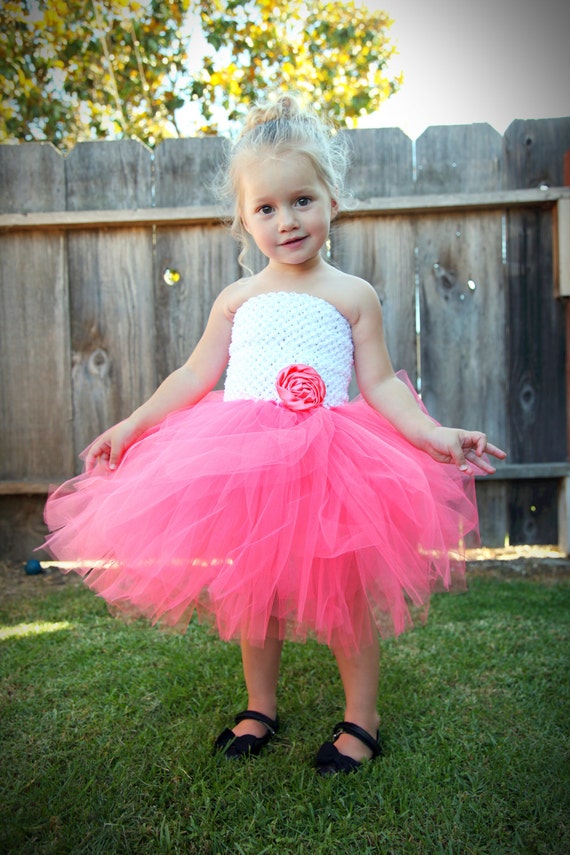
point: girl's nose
(287, 220)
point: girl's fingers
(480, 462)
(98, 452)
(495, 452)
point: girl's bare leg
(360, 675)
(261, 672)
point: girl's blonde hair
(283, 125)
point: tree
(334, 53)
(87, 69)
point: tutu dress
(276, 506)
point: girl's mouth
(293, 241)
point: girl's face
(286, 208)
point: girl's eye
(265, 209)
(303, 201)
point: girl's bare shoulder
(231, 298)
(353, 296)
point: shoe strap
(257, 716)
(359, 733)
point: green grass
(107, 731)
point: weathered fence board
(112, 256)
(186, 171)
(205, 260)
(461, 281)
(537, 395)
(534, 152)
(382, 253)
(104, 175)
(531, 505)
(32, 178)
(381, 163)
(192, 263)
(534, 156)
(463, 308)
(36, 439)
(210, 214)
(112, 330)
(111, 294)
(34, 347)
(458, 159)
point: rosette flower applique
(300, 387)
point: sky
(468, 61)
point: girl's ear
(334, 208)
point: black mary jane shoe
(329, 759)
(234, 746)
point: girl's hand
(109, 448)
(450, 445)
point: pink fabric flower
(300, 387)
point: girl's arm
(184, 387)
(389, 396)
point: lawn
(107, 731)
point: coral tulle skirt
(268, 521)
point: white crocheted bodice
(274, 330)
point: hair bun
(284, 107)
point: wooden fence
(111, 257)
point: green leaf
(75, 74)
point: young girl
(277, 508)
